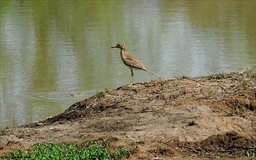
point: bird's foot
(130, 85)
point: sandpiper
(129, 60)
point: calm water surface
(54, 53)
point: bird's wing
(134, 62)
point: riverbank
(203, 117)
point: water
(54, 53)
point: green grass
(250, 153)
(121, 153)
(100, 94)
(220, 76)
(249, 72)
(91, 150)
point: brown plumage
(129, 60)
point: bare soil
(197, 118)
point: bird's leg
(132, 77)
(131, 72)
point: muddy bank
(174, 118)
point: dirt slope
(164, 119)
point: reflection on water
(53, 49)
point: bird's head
(120, 45)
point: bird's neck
(122, 53)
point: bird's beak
(114, 47)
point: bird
(131, 61)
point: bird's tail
(149, 71)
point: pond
(55, 53)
